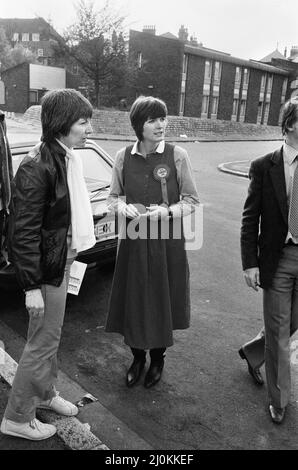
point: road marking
(76, 435)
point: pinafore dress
(150, 290)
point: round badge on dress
(161, 172)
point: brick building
(196, 81)
(25, 84)
(35, 34)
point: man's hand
(252, 277)
(34, 303)
(156, 212)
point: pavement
(238, 168)
(72, 433)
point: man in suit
(269, 250)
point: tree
(11, 56)
(96, 42)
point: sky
(249, 29)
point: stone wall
(118, 123)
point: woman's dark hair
(290, 114)
(144, 108)
(60, 109)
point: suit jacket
(265, 216)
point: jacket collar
(277, 173)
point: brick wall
(161, 67)
(16, 82)
(226, 91)
(253, 95)
(194, 86)
(275, 100)
(118, 123)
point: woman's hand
(157, 212)
(130, 211)
(34, 303)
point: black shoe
(277, 414)
(154, 373)
(135, 371)
(254, 372)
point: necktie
(293, 216)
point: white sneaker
(60, 406)
(35, 430)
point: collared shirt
(187, 186)
(290, 164)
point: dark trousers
(280, 307)
(156, 354)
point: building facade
(25, 84)
(35, 34)
(199, 82)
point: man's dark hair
(60, 109)
(290, 115)
(144, 108)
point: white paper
(77, 272)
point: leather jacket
(39, 218)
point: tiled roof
(27, 25)
(274, 55)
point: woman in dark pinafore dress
(152, 187)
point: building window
(263, 81)
(238, 76)
(284, 90)
(269, 83)
(39, 52)
(207, 75)
(260, 112)
(217, 71)
(214, 106)
(182, 103)
(15, 37)
(235, 107)
(185, 64)
(245, 78)
(205, 105)
(284, 87)
(75, 69)
(139, 60)
(242, 110)
(281, 110)
(33, 97)
(35, 37)
(25, 37)
(266, 113)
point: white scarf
(82, 226)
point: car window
(97, 171)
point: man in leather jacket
(5, 190)
(50, 213)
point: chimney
(183, 33)
(294, 52)
(193, 41)
(150, 29)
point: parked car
(97, 167)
